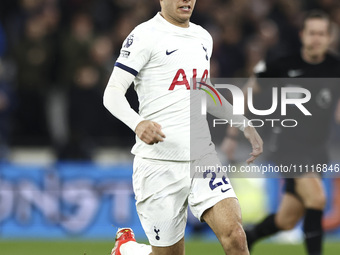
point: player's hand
(256, 143)
(229, 146)
(149, 132)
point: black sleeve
(271, 70)
(267, 77)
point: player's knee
(317, 201)
(234, 239)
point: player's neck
(174, 21)
(312, 59)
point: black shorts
(289, 187)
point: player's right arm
(135, 53)
(115, 101)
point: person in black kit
(306, 143)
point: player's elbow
(108, 98)
(112, 99)
(105, 99)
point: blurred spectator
(2, 41)
(34, 56)
(86, 112)
(6, 107)
(75, 46)
(6, 99)
(287, 15)
(85, 107)
(101, 53)
(74, 50)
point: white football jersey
(164, 58)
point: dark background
(56, 57)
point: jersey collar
(173, 27)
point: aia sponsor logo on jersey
(180, 79)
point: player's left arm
(225, 111)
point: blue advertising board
(85, 200)
(68, 199)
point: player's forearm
(225, 111)
(116, 102)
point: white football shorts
(164, 189)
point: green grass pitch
(103, 248)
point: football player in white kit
(160, 56)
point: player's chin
(184, 18)
(184, 15)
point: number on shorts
(213, 185)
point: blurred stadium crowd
(57, 55)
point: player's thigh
(212, 199)
(177, 248)
(225, 220)
(161, 192)
(311, 191)
(224, 216)
(291, 210)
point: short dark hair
(317, 14)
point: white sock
(134, 248)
